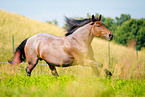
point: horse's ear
(99, 18)
(93, 18)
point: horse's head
(99, 29)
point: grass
(128, 71)
(15, 83)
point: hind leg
(30, 67)
(32, 63)
(31, 57)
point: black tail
(19, 53)
(20, 48)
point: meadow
(76, 81)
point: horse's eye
(98, 25)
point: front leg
(83, 59)
(53, 70)
(87, 62)
(95, 69)
(95, 64)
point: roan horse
(63, 51)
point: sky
(48, 10)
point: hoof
(108, 73)
(10, 61)
(28, 73)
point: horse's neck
(84, 34)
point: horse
(75, 46)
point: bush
(131, 30)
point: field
(76, 81)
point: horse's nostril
(110, 35)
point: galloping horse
(63, 51)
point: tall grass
(128, 71)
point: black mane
(73, 24)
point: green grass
(128, 71)
(15, 83)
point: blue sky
(44, 10)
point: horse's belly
(61, 61)
(58, 58)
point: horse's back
(42, 40)
(45, 36)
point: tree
(131, 30)
(123, 18)
(141, 34)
